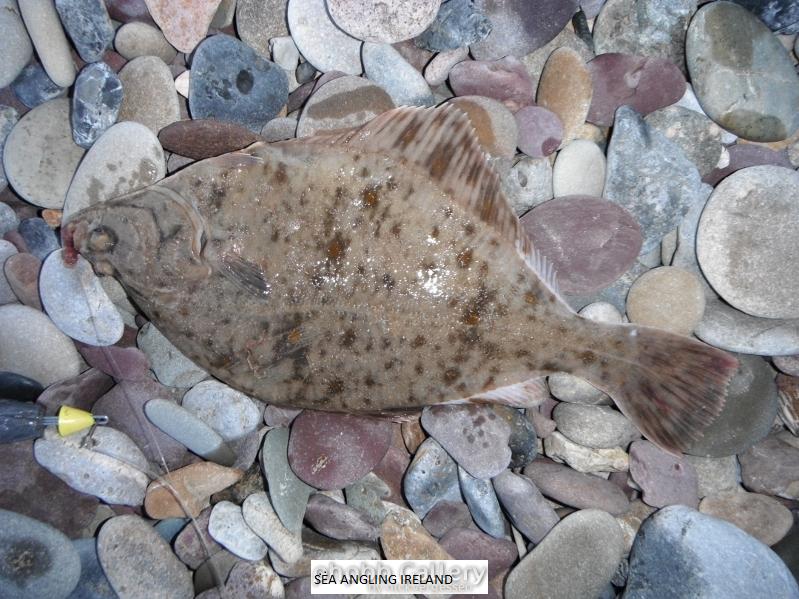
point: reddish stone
(743, 156)
(81, 391)
(591, 242)
(468, 543)
(122, 363)
(204, 138)
(22, 273)
(126, 11)
(540, 131)
(505, 80)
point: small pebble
(258, 21)
(123, 363)
(149, 95)
(170, 366)
(33, 87)
(771, 467)
(338, 520)
(566, 88)
(457, 24)
(579, 490)
(763, 517)
(589, 537)
(526, 508)
(567, 387)
(40, 156)
(579, 169)
(188, 429)
(528, 184)
(698, 136)
(540, 131)
(250, 579)
(184, 22)
(77, 304)
(594, 426)
(318, 547)
(668, 298)
(185, 492)
(39, 560)
(385, 66)
(137, 39)
(49, 40)
(330, 450)
(228, 528)
(93, 583)
(231, 82)
(745, 155)
(229, 412)
(38, 237)
(17, 48)
(665, 479)
(465, 543)
(585, 459)
(288, 494)
(403, 537)
(96, 100)
(483, 504)
(320, 41)
(708, 556)
(7, 295)
(431, 477)
(386, 21)
(193, 545)
(88, 25)
(505, 80)
(473, 435)
(446, 515)
(264, 522)
(139, 563)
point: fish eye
(102, 239)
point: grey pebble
(385, 66)
(96, 99)
(288, 494)
(483, 504)
(33, 87)
(228, 528)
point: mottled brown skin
(315, 274)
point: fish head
(152, 240)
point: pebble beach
(650, 151)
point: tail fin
(671, 387)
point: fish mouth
(73, 235)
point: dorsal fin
(442, 143)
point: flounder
(378, 270)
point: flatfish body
(374, 271)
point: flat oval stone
(697, 135)
(184, 22)
(520, 26)
(253, 579)
(527, 509)
(566, 88)
(343, 103)
(650, 176)
(651, 28)
(96, 100)
(230, 413)
(579, 169)
(263, 521)
(34, 87)
(139, 563)
(457, 24)
(741, 74)
(493, 123)
(576, 489)
(759, 203)
(771, 467)
(591, 537)
(258, 21)
(473, 435)
(383, 21)
(528, 183)
(40, 156)
(431, 477)
(330, 451)
(320, 41)
(204, 138)
(744, 155)
(185, 492)
(698, 555)
(402, 536)
(483, 503)
(39, 560)
(644, 84)
(228, 528)
(585, 459)
(47, 35)
(77, 304)
(384, 65)
(114, 480)
(664, 478)
(31, 345)
(540, 131)
(594, 426)
(763, 517)
(140, 39)
(149, 95)
(288, 494)
(127, 157)
(17, 48)
(591, 242)
(185, 427)
(465, 543)
(567, 387)
(338, 520)
(231, 82)
(170, 366)
(505, 80)
(447, 515)
(88, 25)
(668, 298)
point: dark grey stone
(530, 513)
(483, 504)
(782, 16)
(230, 82)
(92, 584)
(88, 25)
(33, 87)
(650, 176)
(36, 560)
(96, 99)
(431, 477)
(305, 72)
(38, 236)
(457, 24)
(21, 388)
(680, 552)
